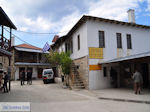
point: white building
(99, 46)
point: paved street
(53, 98)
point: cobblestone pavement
(53, 98)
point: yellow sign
(95, 53)
(95, 67)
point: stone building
(105, 51)
(5, 44)
(28, 57)
(5, 39)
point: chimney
(131, 16)
(55, 38)
(12, 41)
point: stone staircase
(77, 82)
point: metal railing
(4, 43)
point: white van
(48, 76)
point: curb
(125, 100)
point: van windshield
(47, 72)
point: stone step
(78, 87)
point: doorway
(40, 70)
(21, 69)
(145, 74)
(30, 69)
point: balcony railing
(4, 43)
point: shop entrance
(145, 74)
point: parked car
(48, 76)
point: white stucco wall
(17, 73)
(34, 72)
(98, 81)
(96, 77)
(62, 48)
(82, 31)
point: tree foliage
(60, 59)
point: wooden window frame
(119, 40)
(71, 46)
(78, 40)
(129, 41)
(101, 35)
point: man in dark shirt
(22, 77)
(5, 82)
(29, 77)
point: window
(129, 43)
(71, 46)
(101, 39)
(40, 56)
(105, 72)
(78, 42)
(119, 42)
(68, 46)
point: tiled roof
(55, 38)
(28, 46)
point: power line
(41, 33)
(17, 37)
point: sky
(57, 17)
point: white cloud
(148, 1)
(68, 22)
(114, 9)
(19, 10)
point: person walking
(22, 77)
(5, 82)
(28, 76)
(138, 81)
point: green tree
(63, 60)
(53, 58)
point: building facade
(94, 41)
(5, 44)
(27, 57)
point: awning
(29, 50)
(5, 52)
(4, 20)
(141, 55)
(32, 64)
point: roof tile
(28, 46)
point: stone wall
(82, 67)
(13, 68)
(5, 62)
